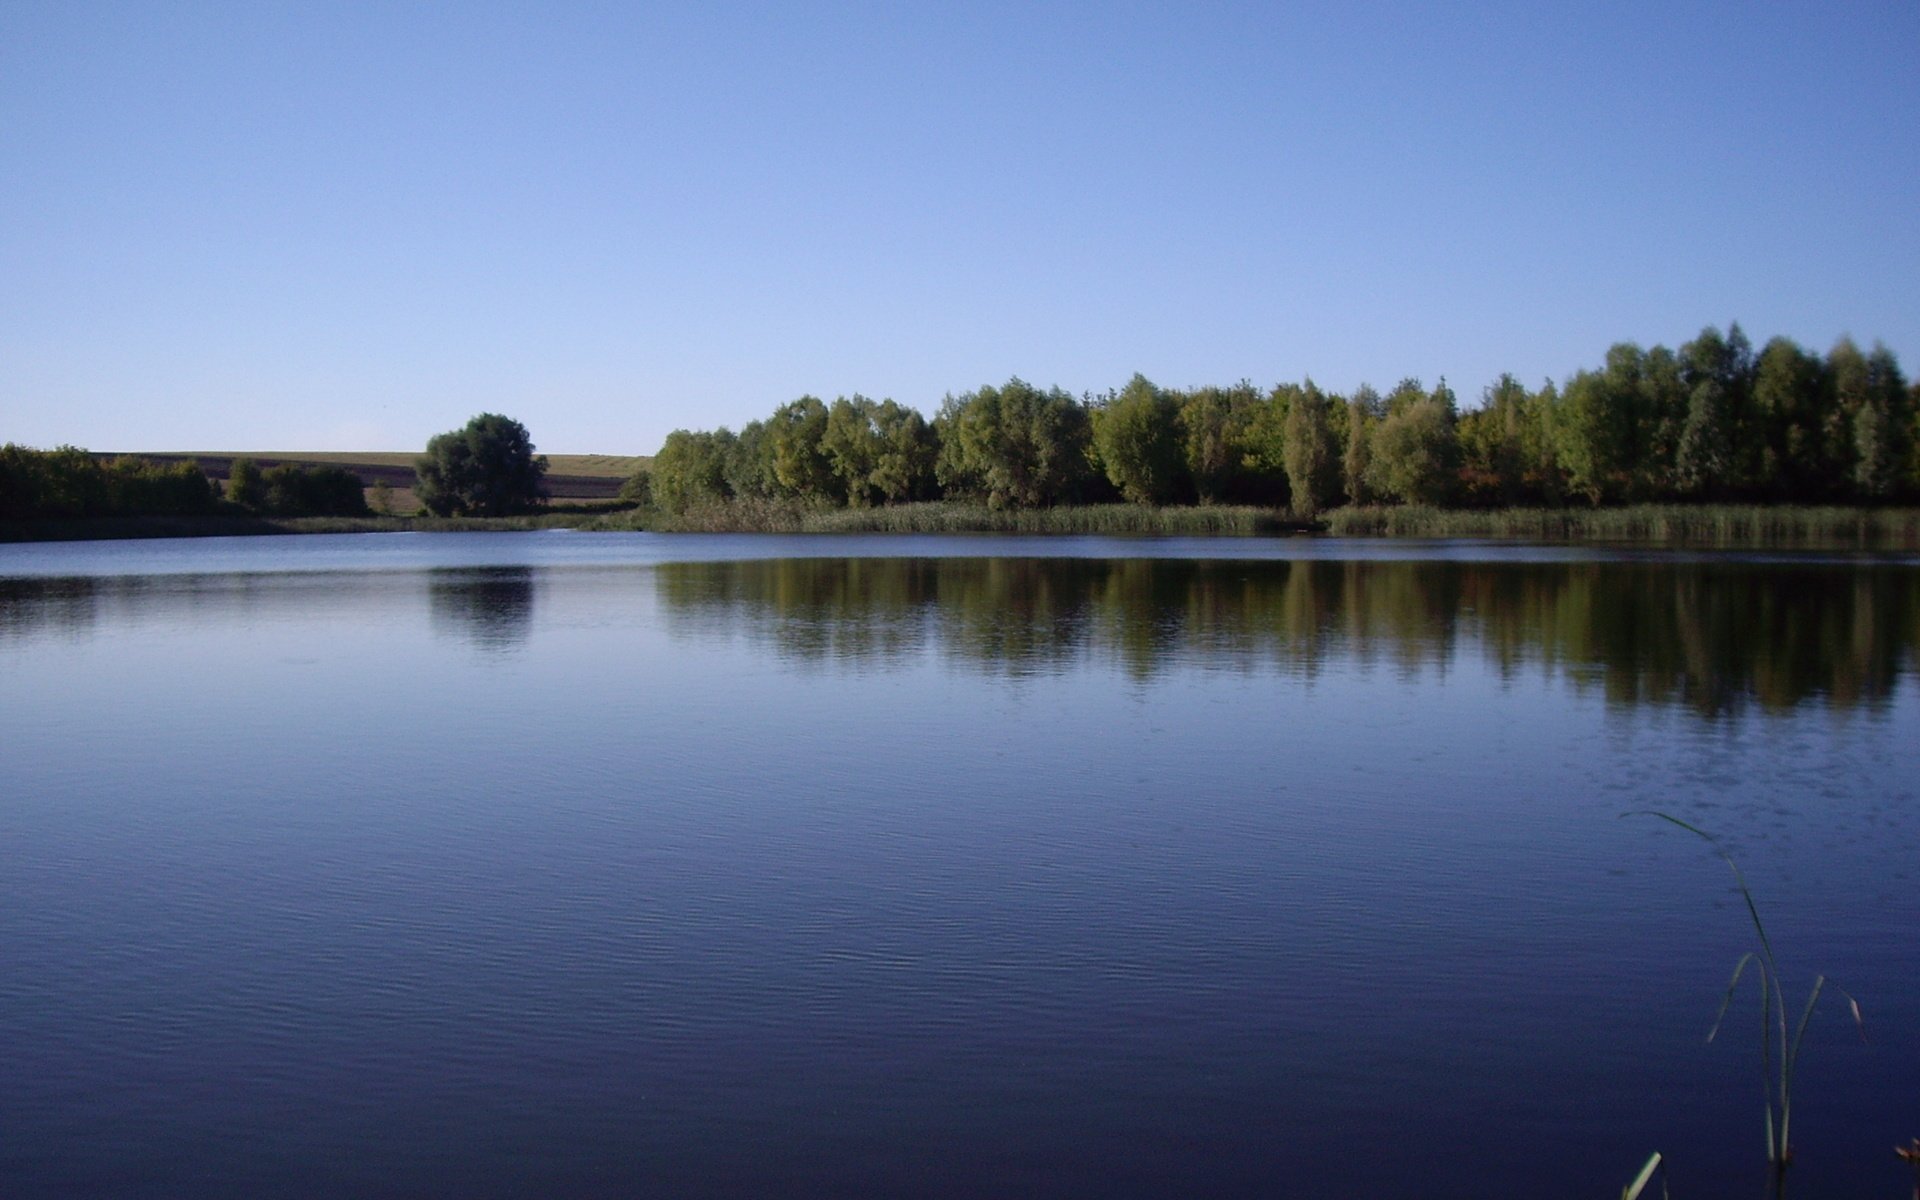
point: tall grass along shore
(1664, 524)
(1721, 526)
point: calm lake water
(618, 865)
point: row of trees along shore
(1715, 421)
(71, 483)
(487, 468)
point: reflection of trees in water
(1712, 636)
(31, 607)
(490, 606)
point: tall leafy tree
(488, 468)
(802, 468)
(852, 446)
(1703, 467)
(1720, 444)
(1015, 445)
(908, 449)
(1788, 386)
(1313, 463)
(689, 470)
(1217, 443)
(1415, 451)
(1364, 412)
(1882, 427)
(748, 468)
(1136, 435)
(1493, 443)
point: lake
(626, 864)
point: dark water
(577, 865)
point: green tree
(903, 468)
(1137, 437)
(802, 468)
(1313, 463)
(689, 470)
(748, 468)
(1364, 412)
(852, 446)
(1594, 430)
(1415, 456)
(1015, 445)
(1493, 443)
(488, 468)
(1882, 426)
(312, 490)
(637, 489)
(1704, 460)
(1719, 446)
(1788, 395)
(245, 486)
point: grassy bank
(754, 516)
(1725, 526)
(1657, 524)
(84, 529)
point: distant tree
(245, 486)
(1415, 451)
(381, 500)
(137, 486)
(306, 490)
(1364, 412)
(637, 489)
(689, 470)
(1787, 398)
(802, 468)
(486, 469)
(1703, 467)
(1492, 443)
(1719, 447)
(1882, 429)
(1015, 445)
(908, 448)
(852, 446)
(748, 465)
(1137, 439)
(1313, 461)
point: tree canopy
(487, 469)
(1712, 421)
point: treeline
(295, 490)
(1715, 421)
(69, 482)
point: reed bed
(1727, 526)
(763, 516)
(1670, 524)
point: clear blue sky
(350, 226)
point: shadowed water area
(623, 864)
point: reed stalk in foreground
(1776, 1064)
(1632, 1190)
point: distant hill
(570, 477)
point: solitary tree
(486, 469)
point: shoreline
(1730, 526)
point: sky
(347, 226)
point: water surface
(614, 865)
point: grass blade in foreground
(1778, 1091)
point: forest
(1714, 422)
